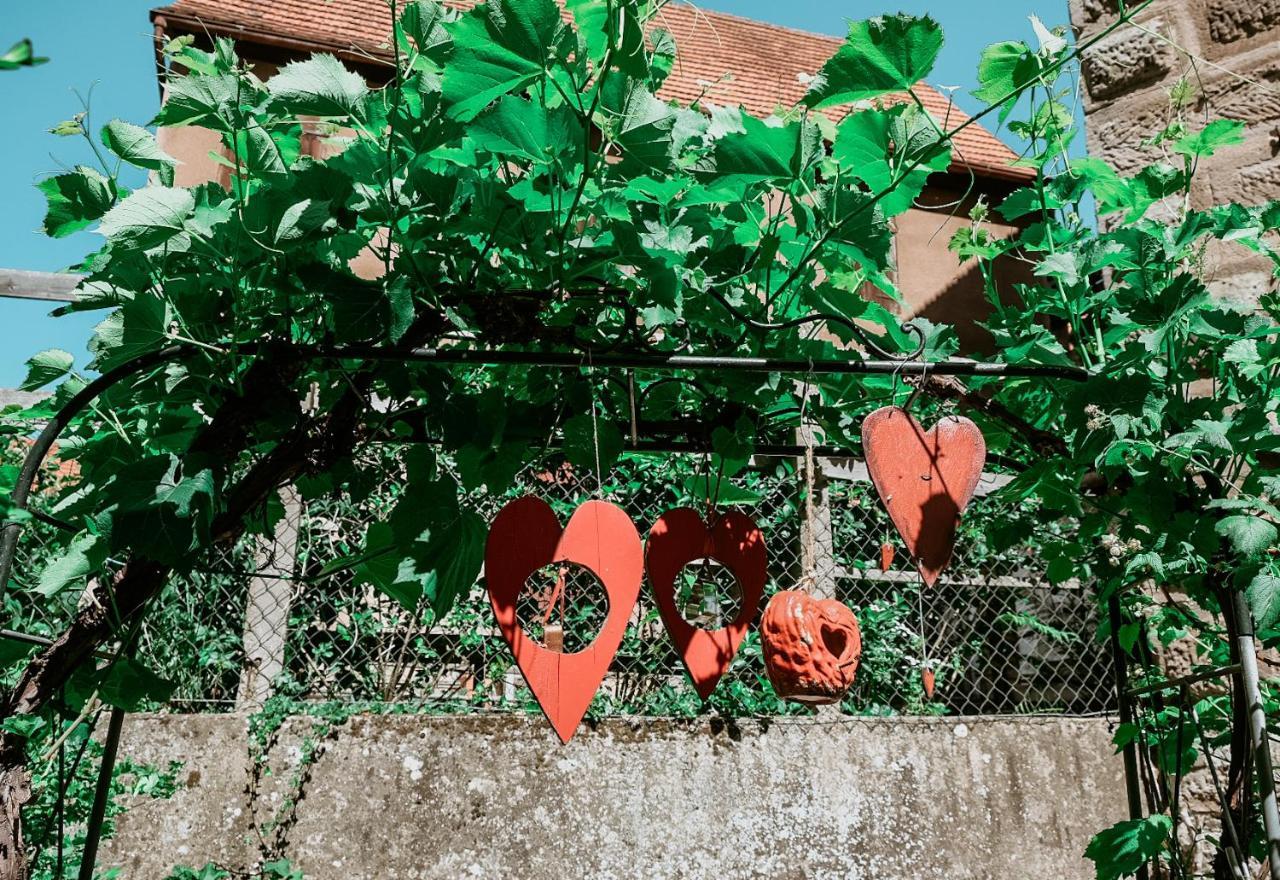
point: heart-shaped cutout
(526, 536)
(925, 479)
(680, 537)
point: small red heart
(678, 538)
(925, 479)
(526, 536)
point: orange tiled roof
(722, 58)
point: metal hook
(915, 392)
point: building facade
(1229, 53)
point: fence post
(266, 615)
(1258, 729)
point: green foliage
(76, 200)
(48, 366)
(881, 55)
(320, 86)
(137, 146)
(519, 183)
(47, 816)
(1125, 847)
(20, 54)
(480, 162)
(1175, 424)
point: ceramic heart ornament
(925, 479)
(600, 537)
(680, 537)
(811, 647)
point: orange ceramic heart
(680, 537)
(526, 536)
(925, 479)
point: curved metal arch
(53, 429)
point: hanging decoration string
(595, 427)
(810, 561)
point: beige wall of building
(1232, 59)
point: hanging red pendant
(525, 537)
(680, 537)
(927, 679)
(886, 556)
(925, 479)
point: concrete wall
(394, 797)
(1228, 43)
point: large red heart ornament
(525, 537)
(680, 537)
(925, 479)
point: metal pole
(101, 795)
(661, 361)
(1120, 673)
(1258, 729)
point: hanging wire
(595, 427)
(810, 561)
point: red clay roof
(722, 58)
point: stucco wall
(395, 797)
(1233, 63)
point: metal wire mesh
(271, 617)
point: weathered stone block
(1245, 288)
(1232, 20)
(1125, 61)
(1117, 131)
(1252, 102)
(1094, 10)
(405, 798)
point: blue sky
(104, 47)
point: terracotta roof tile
(722, 58)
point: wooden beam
(52, 286)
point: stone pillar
(266, 616)
(1232, 62)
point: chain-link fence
(276, 616)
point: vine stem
(821, 242)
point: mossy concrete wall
(394, 797)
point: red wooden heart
(925, 479)
(678, 538)
(526, 536)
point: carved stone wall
(1232, 60)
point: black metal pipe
(1120, 673)
(14, 635)
(101, 795)
(652, 361)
